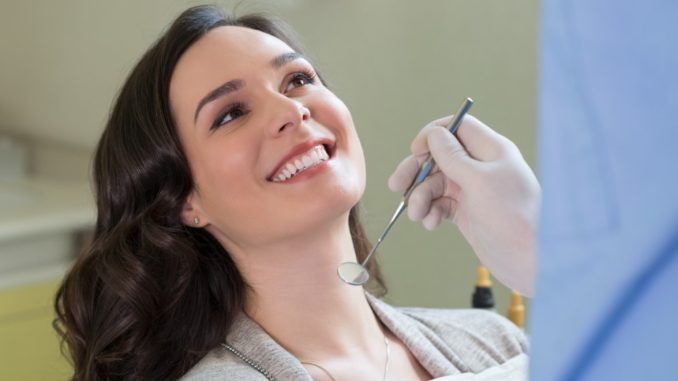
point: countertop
(36, 206)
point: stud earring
(196, 221)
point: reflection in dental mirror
(353, 273)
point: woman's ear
(191, 212)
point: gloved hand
(481, 183)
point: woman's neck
(297, 297)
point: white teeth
(307, 161)
(314, 156)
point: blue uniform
(606, 306)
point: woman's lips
(305, 174)
(301, 163)
(306, 154)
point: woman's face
(274, 154)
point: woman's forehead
(223, 54)
(237, 45)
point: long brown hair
(149, 297)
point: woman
(227, 182)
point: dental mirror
(356, 274)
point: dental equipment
(356, 274)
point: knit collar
(250, 339)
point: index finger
(480, 141)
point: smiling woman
(278, 112)
(228, 182)
(150, 281)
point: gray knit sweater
(445, 342)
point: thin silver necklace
(388, 360)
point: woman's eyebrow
(284, 58)
(226, 88)
(237, 84)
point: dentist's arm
(483, 185)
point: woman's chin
(320, 219)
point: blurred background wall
(396, 64)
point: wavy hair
(149, 296)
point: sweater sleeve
(479, 339)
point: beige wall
(397, 64)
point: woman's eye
(232, 113)
(299, 80)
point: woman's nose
(289, 114)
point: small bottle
(516, 310)
(482, 296)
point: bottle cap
(483, 277)
(516, 311)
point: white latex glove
(481, 183)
